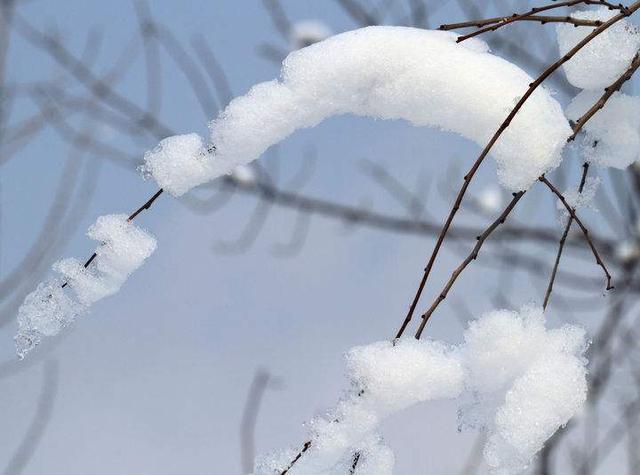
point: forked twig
(535, 18)
(563, 240)
(471, 257)
(608, 92)
(526, 16)
(577, 127)
(585, 231)
(467, 179)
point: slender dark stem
(305, 447)
(526, 15)
(577, 127)
(131, 217)
(585, 231)
(145, 206)
(535, 18)
(471, 257)
(563, 239)
(532, 87)
(608, 92)
(354, 464)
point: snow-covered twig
(146, 205)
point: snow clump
(51, 307)
(421, 76)
(511, 377)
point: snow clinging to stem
(421, 76)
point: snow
(375, 458)
(523, 382)
(50, 308)
(178, 162)
(397, 377)
(578, 200)
(44, 312)
(604, 59)
(511, 376)
(615, 129)
(307, 32)
(421, 76)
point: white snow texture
(513, 378)
(612, 135)
(605, 58)
(421, 76)
(47, 310)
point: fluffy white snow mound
(612, 136)
(606, 57)
(421, 76)
(511, 377)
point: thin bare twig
(523, 16)
(608, 92)
(535, 18)
(471, 257)
(585, 231)
(563, 239)
(468, 177)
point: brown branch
(577, 127)
(535, 18)
(471, 257)
(467, 179)
(585, 231)
(563, 239)
(608, 92)
(526, 16)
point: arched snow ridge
(421, 76)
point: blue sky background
(154, 380)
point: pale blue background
(154, 380)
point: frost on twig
(56, 303)
(420, 76)
(511, 377)
(579, 199)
